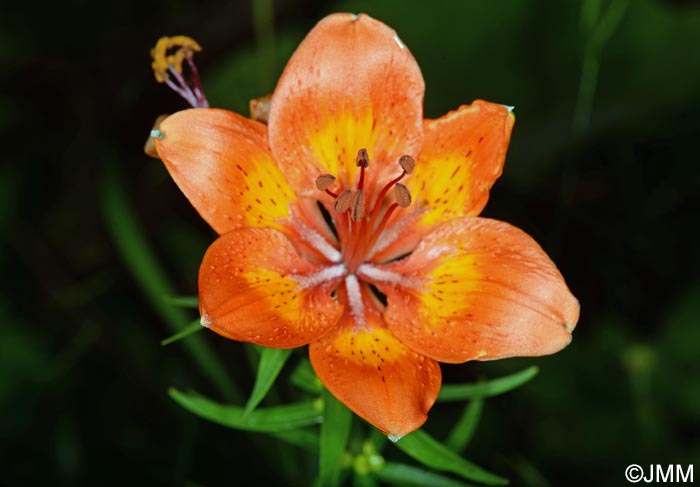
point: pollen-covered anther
(403, 196)
(407, 163)
(358, 206)
(343, 202)
(167, 68)
(324, 181)
(162, 61)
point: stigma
(359, 215)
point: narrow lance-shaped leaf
(183, 301)
(304, 378)
(463, 431)
(431, 453)
(129, 240)
(378, 439)
(271, 362)
(305, 438)
(193, 327)
(273, 419)
(335, 430)
(460, 392)
(403, 475)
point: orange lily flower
(349, 223)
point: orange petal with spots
(255, 287)
(221, 162)
(376, 376)
(350, 85)
(462, 157)
(479, 289)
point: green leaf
(404, 475)
(463, 431)
(305, 378)
(303, 438)
(460, 392)
(335, 430)
(130, 241)
(183, 301)
(271, 362)
(378, 439)
(193, 327)
(269, 420)
(431, 453)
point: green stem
(598, 31)
(263, 20)
(586, 90)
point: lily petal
(350, 85)
(479, 289)
(255, 287)
(376, 376)
(462, 156)
(221, 162)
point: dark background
(612, 195)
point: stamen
(162, 61)
(388, 236)
(358, 206)
(365, 221)
(407, 163)
(403, 196)
(324, 181)
(167, 68)
(343, 202)
(385, 219)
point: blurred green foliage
(613, 197)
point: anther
(407, 163)
(167, 65)
(358, 206)
(403, 196)
(343, 202)
(324, 181)
(162, 62)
